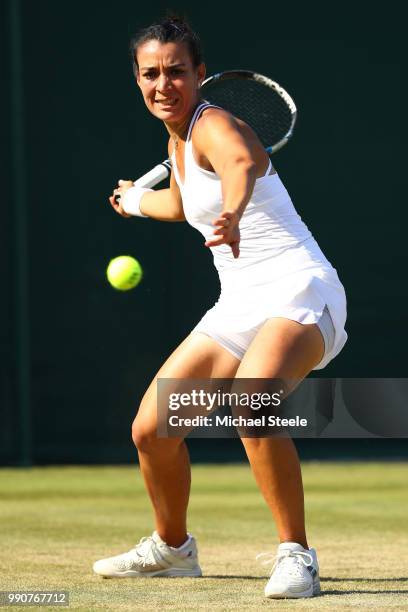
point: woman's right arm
(161, 204)
(164, 204)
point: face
(168, 80)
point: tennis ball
(124, 272)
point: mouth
(166, 101)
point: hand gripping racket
(262, 103)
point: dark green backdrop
(93, 350)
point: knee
(144, 437)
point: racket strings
(258, 105)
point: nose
(163, 82)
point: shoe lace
(143, 549)
(292, 560)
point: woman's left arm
(230, 151)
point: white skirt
(296, 285)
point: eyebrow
(170, 66)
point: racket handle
(153, 177)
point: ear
(201, 72)
(136, 73)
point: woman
(281, 312)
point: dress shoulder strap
(200, 108)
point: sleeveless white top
(280, 271)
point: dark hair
(171, 29)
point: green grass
(55, 522)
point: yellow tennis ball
(124, 272)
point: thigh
(283, 349)
(198, 356)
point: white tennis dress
(280, 272)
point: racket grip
(153, 177)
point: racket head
(256, 99)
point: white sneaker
(152, 557)
(295, 573)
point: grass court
(55, 521)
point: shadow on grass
(323, 579)
(365, 591)
(329, 578)
(326, 592)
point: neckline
(175, 168)
(197, 111)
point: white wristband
(130, 201)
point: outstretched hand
(226, 232)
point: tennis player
(281, 313)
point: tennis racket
(262, 103)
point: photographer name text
(238, 421)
